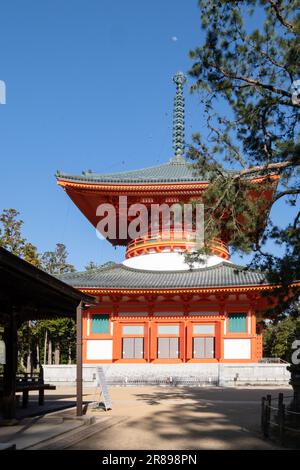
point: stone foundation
(226, 375)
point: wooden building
(153, 307)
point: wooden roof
(33, 293)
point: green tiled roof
(176, 170)
(119, 276)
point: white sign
(101, 382)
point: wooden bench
(30, 382)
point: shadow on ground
(187, 418)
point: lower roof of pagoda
(118, 276)
(175, 171)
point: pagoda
(154, 307)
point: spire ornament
(178, 117)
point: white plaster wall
(229, 374)
(99, 349)
(237, 349)
(168, 262)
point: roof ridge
(162, 271)
(93, 270)
(171, 171)
(222, 264)
(208, 268)
(87, 173)
(224, 274)
(246, 268)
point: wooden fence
(278, 420)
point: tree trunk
(38, 363)
(45, 346)
(50, 352)
(70, 354)
(56, 354)
(28, 361)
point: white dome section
(168, 262)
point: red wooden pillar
(117, 341)
(182, 342)
(149, 332)
(147, 339)
(219, 339)
(153, 341)
(189, 345)
(221, 331)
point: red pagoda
(153, 307)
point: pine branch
(270, 166)
(275, 7)
(289, 192)
(256, 82)
(297, 218)
(227, 142)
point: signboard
(2, 352)
(101, 382)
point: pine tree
(278, 336)
(12, 240)
(55, 262)
(91, 265)
(36, 337)
(245, 73)
(60, 333)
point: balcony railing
(172, 241)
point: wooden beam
(10, 368)
(79, 312)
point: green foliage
(11, 237)
(278, 338)
(250, 72)
(55, 262)
(108, 264)
(10, 232)
(62, 332)
(31, 335)
(31, 255)
(91, 265)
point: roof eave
(177, 290)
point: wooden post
(45, 346)
(41, 396)
(268, 415)
(10, 368)
(280, 400)
(263, 414)
(281, 416)
(79, 311)
(25, 398)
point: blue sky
(89, 86)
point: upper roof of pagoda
(177, 170)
